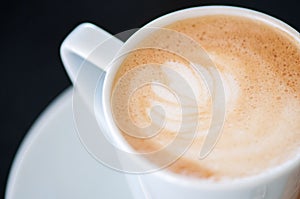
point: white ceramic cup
(279, 183)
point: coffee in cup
(260, 69)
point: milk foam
(260, 70)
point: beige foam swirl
(260, 67)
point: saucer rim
(32, 134)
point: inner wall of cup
(171, 18)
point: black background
(32, 74)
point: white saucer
(52, 163)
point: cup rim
(269, 174)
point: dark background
(32, 74)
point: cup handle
(86, 54)
(79, 45)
